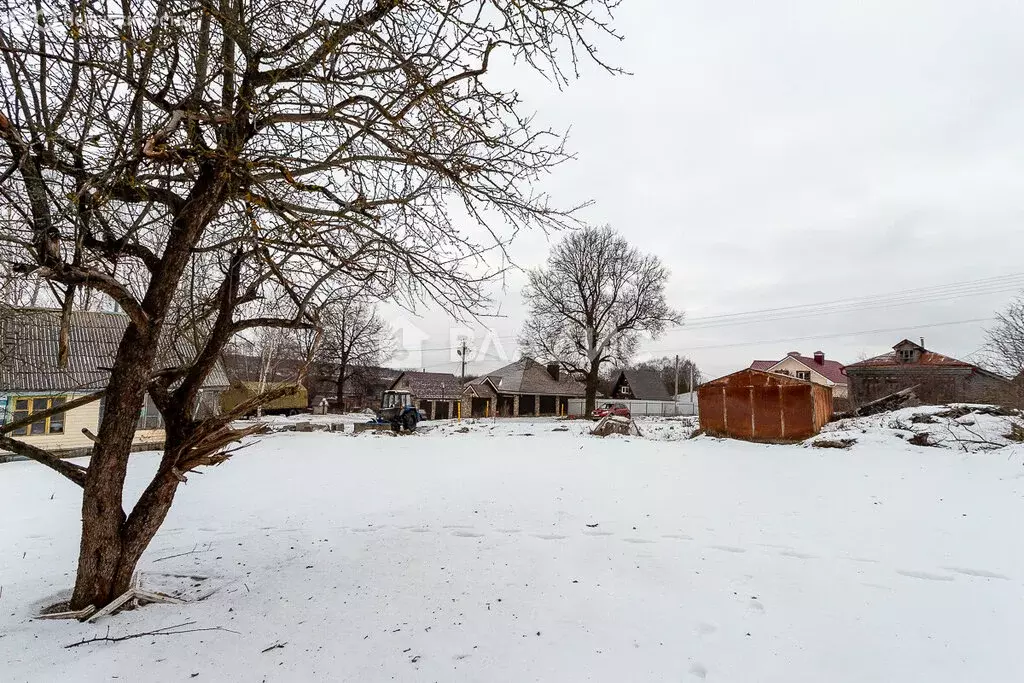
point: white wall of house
(793, 366)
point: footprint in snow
(549, 537)
(756, 606)
(678, 537)
(508, 531)
(878, 586)
(464, 533)
(699, 670)
(457, 526)
(638, 540)
(705, 629)
(418, 529)
(729, 548)
(924, 575)
(797, 555)
(598, 533)
(982, 573)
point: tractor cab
(392, 399)
(396, 408)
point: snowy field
(509, 551)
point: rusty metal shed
(763, 406)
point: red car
(620, 409)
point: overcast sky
(785, 153)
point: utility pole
(462, 354)
(677, 379)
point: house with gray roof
(639, 385)
(525, 387)
(33, 378)
(435, 393)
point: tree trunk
(593, 378)
(111, 542)
(341, 388)
(342, 379)
(99, 560)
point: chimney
(793, 353)
(553, 371)
(922, 342)
(819, 357)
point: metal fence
(659, 408)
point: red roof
(830, 369)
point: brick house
(525, 387)
(939, 378)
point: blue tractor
(397, 409)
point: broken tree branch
(75, 473)
(175, 630)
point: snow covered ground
(527, 550)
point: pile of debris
(615, 424)
(963, 427)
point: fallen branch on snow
(175, 630)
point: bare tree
(246, 157)
(591, 302)
(1005, 345)
(354, 337)
(666, 369)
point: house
(639, 385)
(938, 378)
(32, 379)
(523, 388)
(813, 368)
(435, 393)
(756, 405)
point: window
(906, 355)
(149, 416)
(803, 374)
(24, 407)
(782, 372)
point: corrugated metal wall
(762, 406)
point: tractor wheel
(409, 422)
(396, 425)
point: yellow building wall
(87, 416)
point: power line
(955, 290)
(855, 333)
(951, 289)
(830, 336)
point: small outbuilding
(763, 406)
